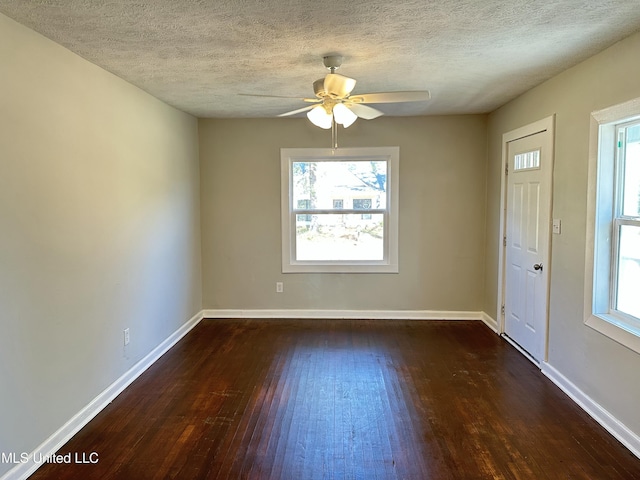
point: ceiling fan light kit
(320, 117)
(343, 115)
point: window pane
(340, 237)
(327, 184)
(631, 188)
(527, 161)
(628, 298)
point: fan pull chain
(334, 134)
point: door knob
(537, 266)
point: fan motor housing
(332, 62)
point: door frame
(546, 124)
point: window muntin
(339, 210)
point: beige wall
(442, 171)
(99, 231)
(603, 369)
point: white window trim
(390, 262)
(597, 288)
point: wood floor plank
(344, 399)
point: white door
(527, 241)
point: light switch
(557, 223)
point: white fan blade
(363, 111)
(391, 97)
(338, 86)
(309, 100)
(300, 110)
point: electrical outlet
(279, 287)
(126, 336)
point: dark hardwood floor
(341, 399)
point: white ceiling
(198, 55)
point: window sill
(339, 268)
(616, 329)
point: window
(527, 161)
(626, 224)
(340, 210)
(613, 277)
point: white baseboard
(346, 314)
(51, 445)
(489, 321)
(616, 428)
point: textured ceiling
(198, 55)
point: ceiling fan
(335, 103)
